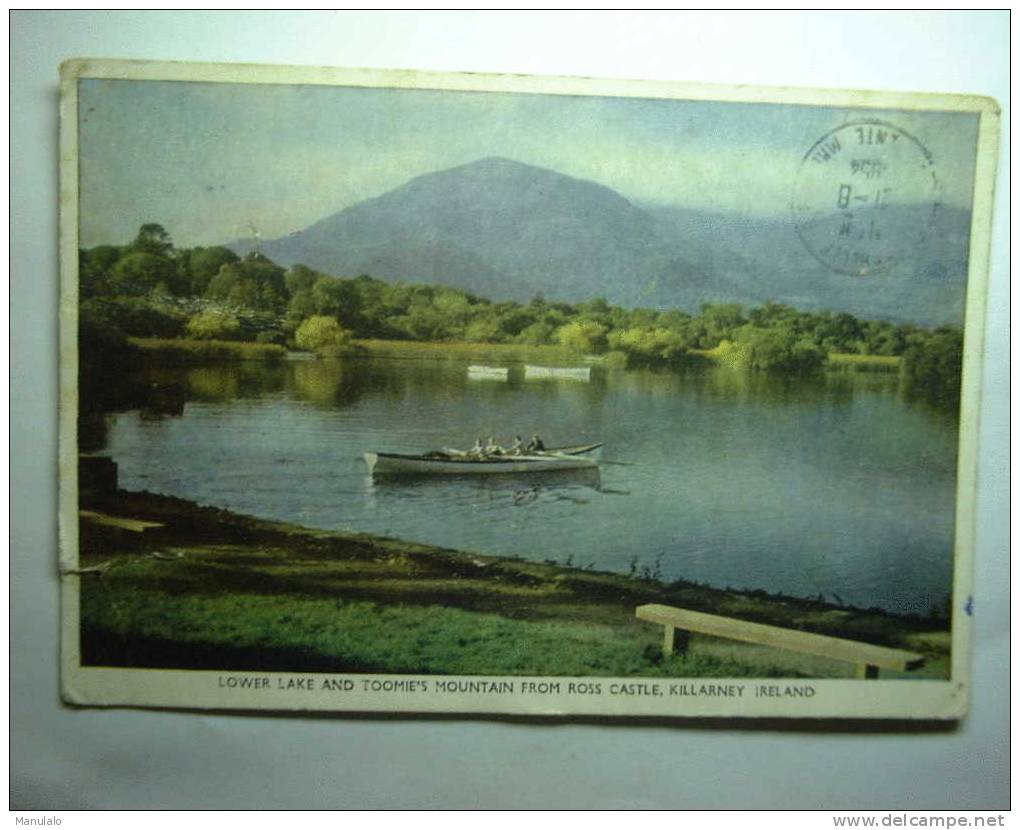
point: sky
(212, 162)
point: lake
(838, 486)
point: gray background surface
(66, 758)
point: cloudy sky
(211, 162)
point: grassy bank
(495, 352)
(211, 589)
(729, 354)
(181, 351)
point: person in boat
(517, 447)
(536, 444)
(492, 448)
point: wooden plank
(674, 640)
(821, 645)
(134, 525)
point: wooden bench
(679, 622)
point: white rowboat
(541, 372)
(488, 372)
(562, 458)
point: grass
(728, 353)
(231, 592)
(352, 635)
(184, 351)
(507, 352)
(201, 351)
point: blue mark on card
(969, 607)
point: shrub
(99, 339)
(137, 316)
(933, 364)
(648, 345)
(214, 325)
(271, 336)
(322, 335)
(537, 334)
(585, 336)
(776, 349)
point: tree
(839, 333)
(776, 349)
(648, 345)
(423, 322)
(453, 305)
(674, 319)
(933, 364)
(322, 335)
(99, 338)
(253, 282)
(771, 314)
(214, 325)
(884, 338)
(585, 336)
(537, 334)
(337, 298)
(301, 305)
(138, 317)
(203, 264)
(152, 238)
(514, 320)
(301, 278)
(483, 328)
(94, 267)
(720, 322)
(139, 273)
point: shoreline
(190, 352)
(209, 588)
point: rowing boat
(446, 463)
(557, 372)
(488, 373)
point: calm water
(837, 486)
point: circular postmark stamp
(866, 198)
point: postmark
(866, 197)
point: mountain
(508, 231)
(768, 258)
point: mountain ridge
(508, 231)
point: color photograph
(546, 396)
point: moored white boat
(566, 373)
(488, 372)
(443, 463)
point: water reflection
(344, 382)
(516, 483)
(838, 483)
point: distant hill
(767, 258)
(506, 230)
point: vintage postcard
(410, 392)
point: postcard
(435, 393)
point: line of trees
(150, 288)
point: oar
(567, 456)
(581, 455)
